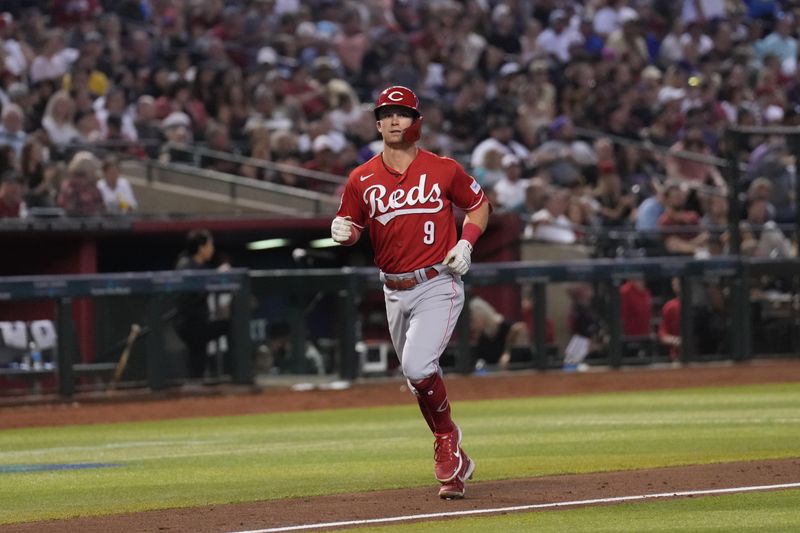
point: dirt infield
(421, 500)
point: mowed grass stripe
(201, 461)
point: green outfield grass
(754, 512)
(201, 461)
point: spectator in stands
(176, 128)
(511, 189)
(285, 144)
(559, 37)
(19, 94)
(534, 197)
(83, 76)
(66, 13)
(325, 160)
(192, 321)
(148, 129)
(53, 59)
(117, 192)
(690, 170)
(11, 132)
(219, 140)
(780, 44)
(260, 149)
(606, 18)
(761, 189)
(116, 140)
(563, 156)
(181, 98)
(10, 195)
(494, 336)
(651, 209)
(537, 107)
(88, 128)
(18, 53)
(115, 104)
(38, 176)
(79, 195)
(582, 213)
(58, 118)
(627, 43)
(286, 176)
(771, 160)
(550, 223)
(761, 237)
(669, 328)
(680, 226)
(636, 308)
(616, 206)
(490, 171)
(352, 43)
(501, 140)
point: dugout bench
(158, 287)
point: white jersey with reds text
(410, 214)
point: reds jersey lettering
(409, 215)
(401, 202)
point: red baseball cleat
(454, 489)
(447, 455)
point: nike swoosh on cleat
(368, 176)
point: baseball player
(405, 197)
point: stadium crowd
(509, 88)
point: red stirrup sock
(426, 414)
(432, 398)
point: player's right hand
(341, 229)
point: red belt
(409, 283)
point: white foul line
(405, 518)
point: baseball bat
(126, 352)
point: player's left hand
(459, 258)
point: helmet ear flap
(412, 133)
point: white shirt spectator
(119, 199)
(671, 50)
(510, 189)
(546, 227)
(513, 147)
(128, 127)
(63, 133)
(558, 44)
(703, 47)
(605, 20)
(15, 61)
(711, 9)
(511, 194)
(53, 67)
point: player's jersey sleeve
(351, 204)
(465, 192)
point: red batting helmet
(398, 95)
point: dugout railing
(159, 290)
(740, 278)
